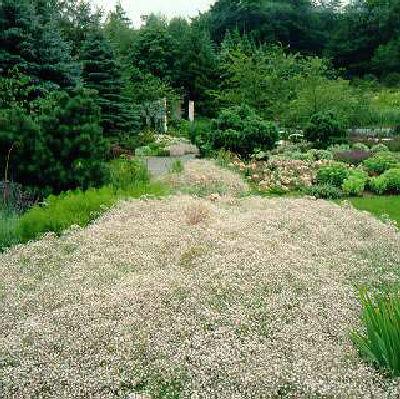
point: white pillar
(191, 111)
(165, 115)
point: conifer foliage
(101, 72)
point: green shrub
(381, 162)
(360, 146)
(323, 129)
(355, 183)
(60, 148)
(334, 174)
(78, 208)
(240, 130)
(176, 167)
(317, 155)
(67, 209)
(388, 182)
(324, 191)
(380, 341)
(379, 148)
(127, 172)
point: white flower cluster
(255, 301)
(204, 177)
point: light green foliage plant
(379, 148)
(334, 174)
(126, 172)
(388, 182)
(177, 167)
(381, 162)
(324, 191)
(78, 208)
(355, 183)
(360, 146)
(379, 343)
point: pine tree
(16, 41)
(31, 41)
(102, 73)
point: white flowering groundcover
(186, 297)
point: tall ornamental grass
(380, 341)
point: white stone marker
(191, 111)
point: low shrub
(62, 211)
(355, 182)
(388, 182)
(177, 167)
(280, 175)
(333, 174)
(78, 208)
(379, 148)
(381, 162)
(379, 343)
(324, 191)
(127, 172)
(240, 130)
(360, 147)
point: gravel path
(193, 298)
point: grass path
(195, 298)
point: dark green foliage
(240, 130)
(73, 142)
(283, 21)
(154, 49)
(324, 191)
(62, 148)
(323, 129)
(33, 43)
(333, 174)
(195, 67)
(379, 343)
(101, 72)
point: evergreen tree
(118, 31)
(154, 50)
(195, 69)
(61, 148)
(102, 73)
(32, 42)
(17, 20)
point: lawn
(380, 206)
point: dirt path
(193, 298)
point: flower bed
(281, 175)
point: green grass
(8, 229)
(128, 179)
(380, 206)
(78, 208)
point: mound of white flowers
(195, 298)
